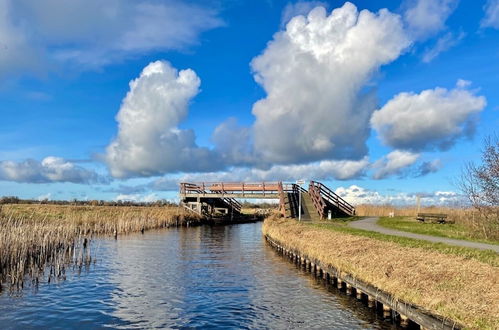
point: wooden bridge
(220, 198)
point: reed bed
(455, 287)
(40, 239)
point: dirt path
(370, 224)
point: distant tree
(480, 184)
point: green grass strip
(448, 230)
(487, 256)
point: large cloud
(149, 141)
(314, 73)
(50, 169)
(93, 32)
(432, 119)
(425, 18)
(491, 18)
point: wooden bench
(433, 217)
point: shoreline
(430, 288)
(404, 311)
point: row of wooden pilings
(400, 312)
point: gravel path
(370, 224)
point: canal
(201, 277)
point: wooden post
(339, 284)
(358, 294)
(370, 301)
(349, 289)
(387, 311)
(404, 321)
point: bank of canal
(435, 290)
(220, 276)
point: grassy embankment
(449, 230)
(458, 283)
(35, 236)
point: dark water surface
(203, 277)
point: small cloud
(491, 18)
(137, 198)
(44, 197)
(393, 164)
(425, 18)
(461, 83)
(444, 43)
(428, 168)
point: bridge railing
(320, 194)
(228, 188)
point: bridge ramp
(309, 212)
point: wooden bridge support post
(349, 289)
(404, 321)
(370, 301)
(387, 311)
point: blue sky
(381, 99)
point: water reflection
(208, 277)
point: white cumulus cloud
(50, 169)
(432, 119)
(425, 18)
(149, 141)
(315, 73)
(393, 163)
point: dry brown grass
(469, 218)
(461, 289)
(34, 237)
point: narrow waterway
(202, 277)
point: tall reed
(40, 239)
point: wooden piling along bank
(400, 311)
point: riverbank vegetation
(34, 237)
(455, 285)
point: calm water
(206, 277)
